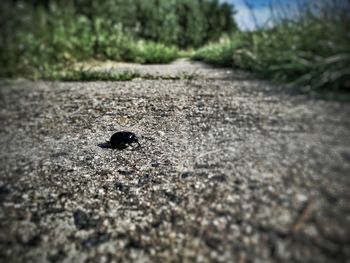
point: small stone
(125, 172)
(301, 198)
(121, 187)
(4, 191)
(185, 175)
(155, 164)
(143, 180)
(219, 178)
(82, 220)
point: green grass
(153, 53)
(93, 75)
(88, 75)
(312, 50)
(219, 53)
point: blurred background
(303, 42)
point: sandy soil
(231, 169)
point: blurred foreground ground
(233, 169)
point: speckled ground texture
(231, 169)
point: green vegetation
(150, 52)
(42, 36)
(311, 49)
(218, 53)
(90, 75)
(45, 38)
(94, 75)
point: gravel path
(232, 169)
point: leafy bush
(217, 53)
(44, 39)
(150, 53)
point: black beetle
(121, 140)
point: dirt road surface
(231, 169)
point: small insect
(121, 140)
